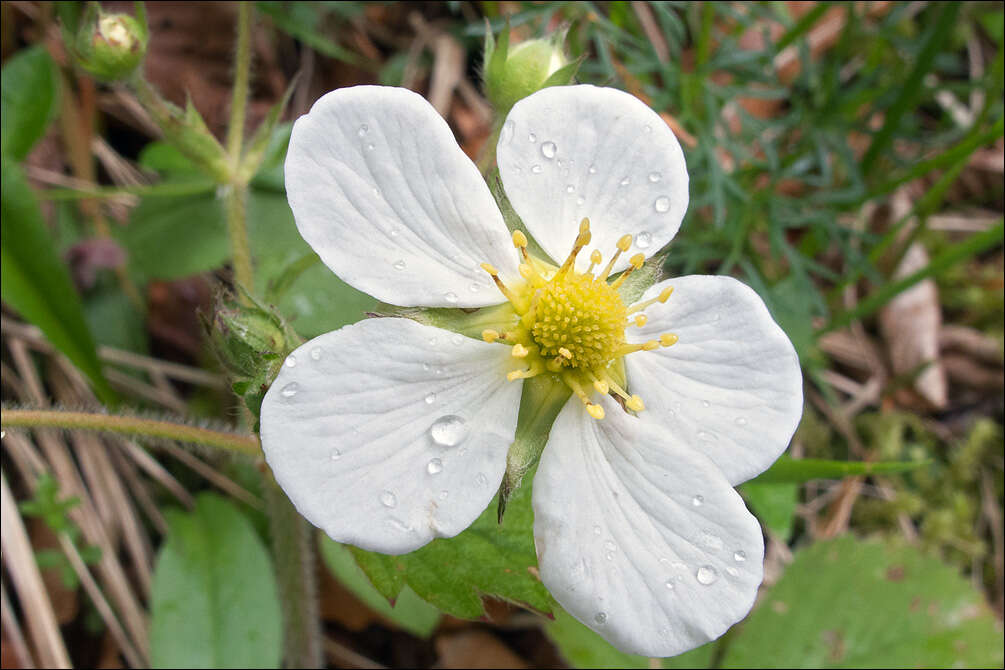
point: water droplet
(600, 618)
(713, 542)
(394, 232)
(536, 169)
(426, 367)
(400, 525)
(665, 561)
(291, 361)
(432, 341)
(739, 555)
(592, 169)
(430, 398)
(450, 296)
(580, 200)
(706, 575)
(335, 454)
(481, 479)
(705, 436)
(449, 431)
(609, 555)
(662, 204)
(532, 137)
(697, 501)
(370, 146)
(363, 130)
(290, 390)
(517, 169)
(706, 404)
(655, 177)
(388, 499)
(740, 421)
(457, 339)
(570, 189)
(316, 353)
(609, 545)
(475, 287)
(597, 530)
(643, 240)
(732, 572)
(625, 181)
(548, 150)
(399, 265)
(434, 467)
(647, 130)
(507, 132)
(444, 494)
(669, 584)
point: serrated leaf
(409, 611)
(852, 603)
(28, 100)
(36, 283)
(791, 470)
(214, 597)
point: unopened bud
(513, 73)
(111, 46)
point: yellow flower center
(572, 324)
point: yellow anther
(491, 269)
(596, 257)
(624, 242)
(647, 346)
(662, 297)
(526, 271)
(665, 294)
(668, 339)
(635, 404)
(513, 376)
(584, 225)
(641, 320)
(519, 239)
(564, 353)
(601, 386)
(595, 410)
(637, 260)
(519, 351)
(490, 335)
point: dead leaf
(475, 649)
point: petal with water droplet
(622, 474)
(367, 398)
(600, 135)
(422, 234)
(743, 361)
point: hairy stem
(235, 197)
(130, 425)
(242, 68)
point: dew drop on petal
(600, 618)
(739, 555)
(597, 530)
(291, 361)
(430, 398)
(609, 545)
(625, 181)
(655, 177)
(536, 169)
(732, 572)
(647, 130)
(363, 130)
(592, 169)
(481, 479)
(740, 421)
(475, 287)
(394, 232)
(662, 204)
(444, 494)
(669, 584)
(449, 431)
(388, 499)
(399, 265)
(697, 501)
(580, 200)
(532, 137)
(426, 367)
(706, 575)
(706, 404)
(643, 240)
(316, 353)
(507, 132)
(450, 297)
(609, 555)
(570, 189)
(370, 146)
(548, 150)
(434, 467)
(457, 339)
(335, 454)
(713, 542)
(290, 390)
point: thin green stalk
(959, 252)
(242, 72)
(293, 555)
(130, 425)
(235, 197)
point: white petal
(639, 537)
(569, 152)
(731, 387)
(381, 191)
(388, 433)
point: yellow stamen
(641, 320)
(519, 239)
(668, 339)
(662, 297)
(595, 259)
(534, 370)
(490, 335)
(596, 411)
(636, 262)
(519, 351)
(623, 245)
(564, 353)
(582, 240)
(491, 269)
(601, 385)
(635, 404)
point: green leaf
(28, 100)
(774, 505)
(850, 603)
(409, 611)
(488, 559)
(789, 470)
(36, 283)
(214, 597)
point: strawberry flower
(389, 433)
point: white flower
(389, 433)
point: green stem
(242, 69)
(293, 555)
(130, 425)
(235, 198)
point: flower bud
(111, 46)
(513, 73)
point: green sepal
(639, 281)
(469, 322)
(254, 152)
(543, 398)
(564, 75)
